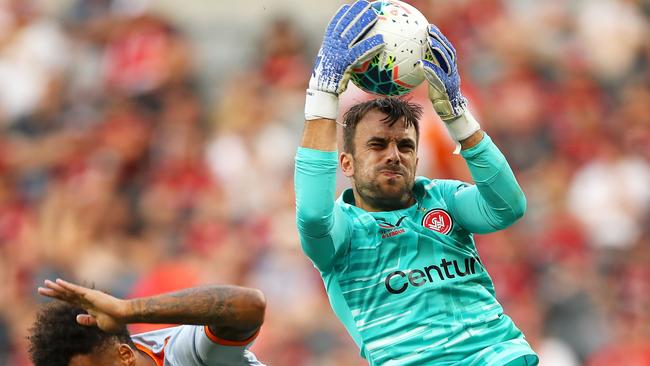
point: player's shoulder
(346, 210)
(157, 339)
(437, 187)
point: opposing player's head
(56, 339)
(380, 141)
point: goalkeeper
(396, 252)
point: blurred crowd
(120, 168)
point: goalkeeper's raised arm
(338, 53)
(496, 201)
(316, 159)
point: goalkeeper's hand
(338, 53)
(444, 87)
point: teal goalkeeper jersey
(409, 285)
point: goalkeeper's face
(383, 162)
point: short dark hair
(56, 337)
(394, 109)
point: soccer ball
(393, 71)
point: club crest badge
(438, 220)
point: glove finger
(435, 33)
(443, 58)
(434, 43)
(367, 48)
(434, 74)
(360, 26)
(335, 19)
(343, 84)
(352, 13)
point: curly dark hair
(56, 336)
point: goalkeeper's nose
(393, 155)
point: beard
(385, 192)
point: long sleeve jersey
(409, 284)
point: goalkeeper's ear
(346, 160)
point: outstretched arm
(231, 312)
(496, 201)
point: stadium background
(148, 146)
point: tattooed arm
(231, 312)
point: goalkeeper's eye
(406, 147)
(377, 143)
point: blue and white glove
(444, 87)
(338, 53)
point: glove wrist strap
(463, 126)
(320, 104)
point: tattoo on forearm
(201, 305)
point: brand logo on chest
(438, 220)
(388, 230)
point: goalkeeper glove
(338, 53)
(444, 87)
